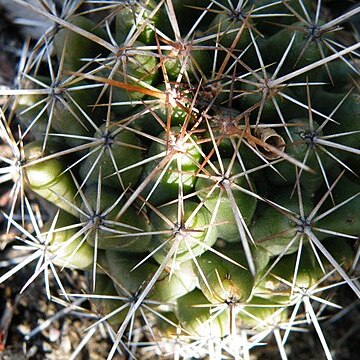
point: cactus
(196, 161)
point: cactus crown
(197, 162)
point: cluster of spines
(194, 155)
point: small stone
(54, 335)
(24, 329)
(32, 351)
(46, 347)
(66, 345)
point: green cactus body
(346, 118)
(164, 186)
(131, 18)
(120, 149)
(262, 313)
(129, 232)
(30, 108)
(49, 178)
(85, 48)
(196, 61)
(303, 146)
(344, 219)
(197, 321)
(112, 304)
(218, 200)
(71, 113)
(273, 230)
(199, 162)
(131, 280)
(254, 90)
(342, 251)
(305, 48)
(193, 231)
(228, 24)
(133, 67)
(278, 282)
(222, 281)
(69, 250)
